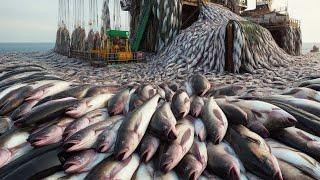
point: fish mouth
(166, 166)
(103, 147)
(172, 134)
(146, 155)
(277, 176)
(182, 114)
(5, 156)
(72, 145)
(123, 154)
(193, 175)
(67, 134)
(233, 174)
(217, 140)
(196, 112)
(39, 141)
(76, 111)
(72, 166)
(292, 121)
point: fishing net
(62, 45)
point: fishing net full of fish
(62, 45)
(203, 46)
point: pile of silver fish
(54, 129)
(201, 48)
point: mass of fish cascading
(289, 39)
(105, 15)
(93, 40)
(78, 36)
(62, 45)
(168, 14)
(202, 47)
(51, 129)
(163, 23)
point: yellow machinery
(117, 48)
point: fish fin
(185, 137)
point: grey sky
(36, 20)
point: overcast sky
(36, 20)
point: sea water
(38, 47)
(25, 47)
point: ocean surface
(306, 47)
(25, 47)
(36, 47)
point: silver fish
(133, 128)
(215, 121)
(296, 158)
(113, 169)
(163, 123)
(178, 148)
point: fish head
(46, 136)
(195, 171)
(282, 118)
(149, 147)
(78, 162)
(145, 92)
(127, 145)
(192, 169)
(200, 84)
(271, 168)
(196, 106)
(75, 127)
(78, 109)
(104, 143)
(166, 125)
(170, 158)
(161, 92)
(5, 156)
(80, 140)
(180, 104)
(5, 124)
(234, 173)
(40, 92)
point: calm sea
(36, 47)
(25, 47)
(306, 47)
